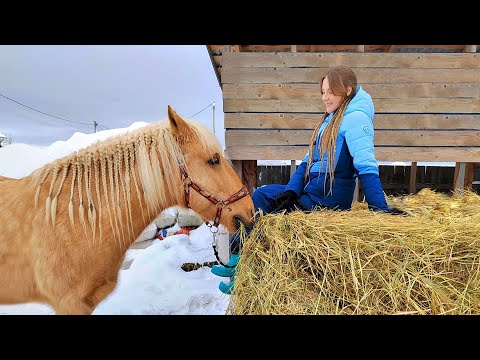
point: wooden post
(412, 187)
(469, 175)
(459, 181)
(356, 192)
(249, 175)
(237, 166)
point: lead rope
(214, 243)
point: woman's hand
(285, 201)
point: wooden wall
(427, 104)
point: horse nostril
(237, 219)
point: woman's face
(332, 102)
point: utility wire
(76, 122)
(102, 126)
(30, 118)
(201, 110)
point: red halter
(219, 203)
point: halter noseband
(219, 203)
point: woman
(342, 149)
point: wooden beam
(237, 166)
(361, 48)
(469, 175)
(356, 192)
(391, 105)
(293, 167)
(215, 68)
(298, 121)
(278, 91)
(412, 188)
(312, 75)
(470, 48)
(249, 175)
(354, 60)
(383, 153)
(459, 178)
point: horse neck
(137, 209)
(107, 193)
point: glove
(394, 211)
(285, 201)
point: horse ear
(181, 129)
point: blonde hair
(340, 79)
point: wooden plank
(364, 75)
(382, 137)
(382, 121)
(430, 154)
(470, 48)
(279, 91)
(353, 60)
(339, 47)
(408, 105)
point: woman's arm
(359, 137)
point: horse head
(219, 194)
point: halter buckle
(187, 181)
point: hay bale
(363, 262)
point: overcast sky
(114, 85)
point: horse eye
(214, 160)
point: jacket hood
(362, 101)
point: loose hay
(362, 262)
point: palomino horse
(67, 226)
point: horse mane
(151, 152)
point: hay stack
(362, 262)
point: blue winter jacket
(354, 157)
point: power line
(76, 122)
(202, 109)
(30, 118)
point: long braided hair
(340, 78)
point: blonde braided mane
(102, 175)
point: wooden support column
(293, 167)
(469, 175)
(412, 187)
(459, 177)
(237, 166)
(249, 175)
